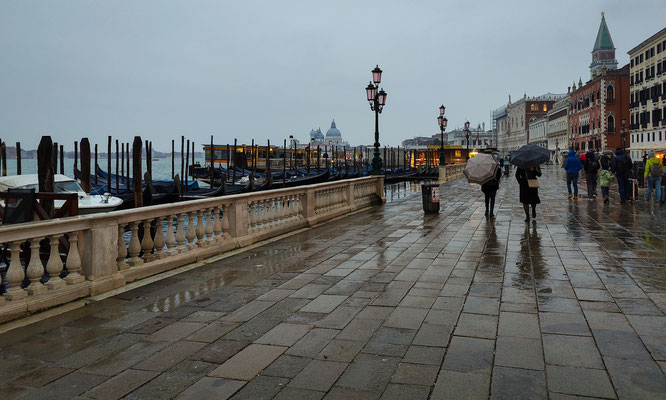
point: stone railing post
(442, 174)
(309, 204)
(238, 218)
(350, 195)
(99, 259)
(379, 187)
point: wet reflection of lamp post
(377, 100)
(467, 137)
(442, 121)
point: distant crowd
(602, 169)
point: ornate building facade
(598, 106)
(648, 96)
(558, 126)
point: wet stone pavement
(387, 303)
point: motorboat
(88, 204)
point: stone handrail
(450, 172)
(108, 250)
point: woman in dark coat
(528, 196)
(490, 190)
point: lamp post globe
(377, 99)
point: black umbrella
(530, 156)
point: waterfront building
(648, 96)
(597, 107)
(518, 117)
(501, 126)
(538, 128)
(479, 138)
(558, 126)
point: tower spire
(603, 52)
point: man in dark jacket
(591, 166)
(572, 165)
(621, 167)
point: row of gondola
(227, 182)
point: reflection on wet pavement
(387, 302)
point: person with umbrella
(527, 160)
(484, 170)
(490, 189)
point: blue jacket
(572, 164)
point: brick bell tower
(603, 53)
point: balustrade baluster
(73, 263)
(253, 216)
(225, 221)
(170, 237)
(35, 269)
(190, 234)
(199, 230)
(134, 246)
(122, 249)
(180, 234)
(15, 274)
(147, 242)
(159, 239)
(217, 222)
(261, 215)
(54, 265)
(210, 214)
(299, 203)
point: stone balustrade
(57, 261)
(450, 172)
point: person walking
(654, 170)
(572, 165)
(605, 178)
(529, 189)
(621, 167)
(591, 167)
(489, 189)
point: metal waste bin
(430, 193)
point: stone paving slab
(388, 303)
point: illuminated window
(534, 107)
(545, 107)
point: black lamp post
(624, 132)
(377, 100)
(557, 151)
(467, 137)
(442, 121)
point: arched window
(611, 124)
(610, 94)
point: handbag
(533, 183)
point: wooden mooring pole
(45, 171)
(95, 166)
(18, 158)
(117, 170)
(187, 165)
(136, 172)
(62, 159)
(85, 165)
(108, 165)
(173, 154)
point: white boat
(88, 204)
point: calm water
(161, 168)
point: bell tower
(603, 53)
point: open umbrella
(530, 156)
(481, 168)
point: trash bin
(430, 195)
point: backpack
(656, 170)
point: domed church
(333, 136)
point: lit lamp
(377, 100)
(442, 122)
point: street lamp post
(467, 137)
(442, 121)
(624, 132)
(377, 100)
(557, 151)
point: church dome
(333, 132)
(318, 135)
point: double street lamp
(442, 121)
(467, 132)
(377, 100)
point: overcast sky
(268, 69)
